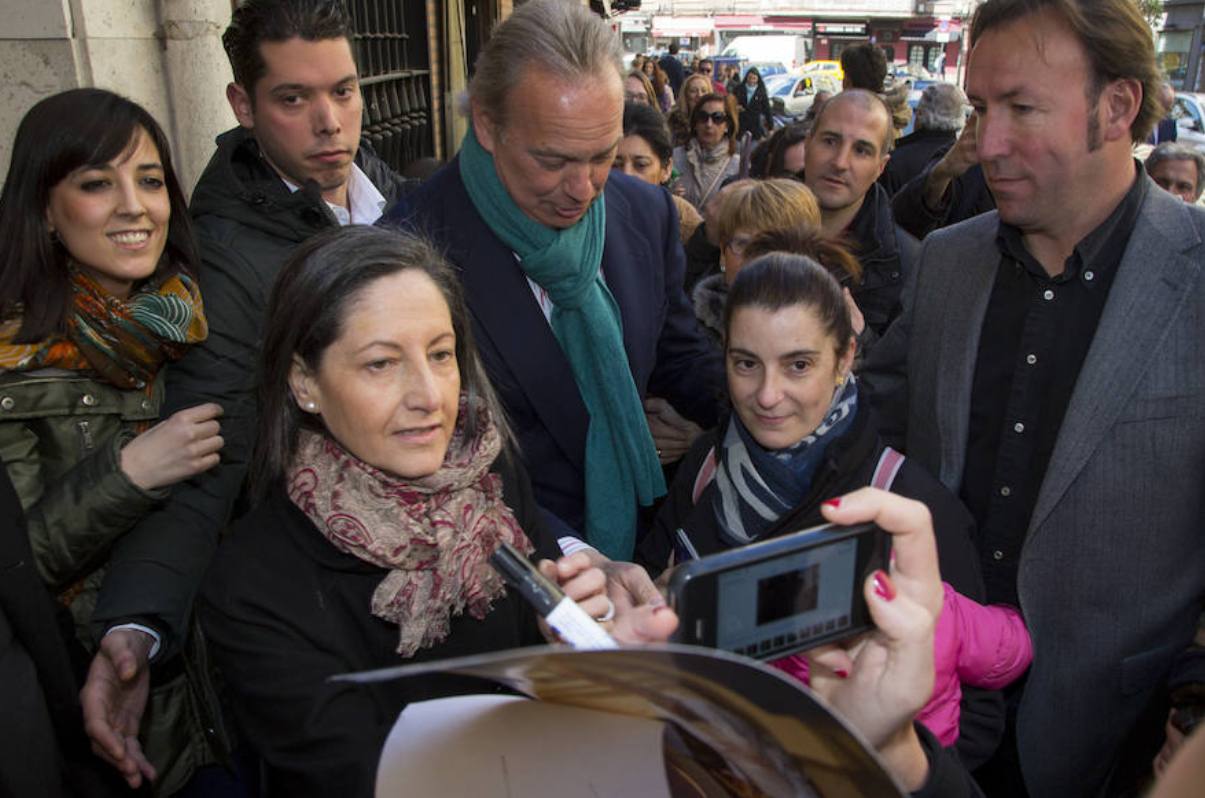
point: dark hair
(783, 139)
(1116, 40)
(780, 280)
(257, 21)
(806, 239)
(60, 134)
(649, 124)
(673, 48)
(318, 284)
(696, 116)
(865, 66)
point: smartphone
(773, 598)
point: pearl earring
(311, 406)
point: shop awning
(683, 26)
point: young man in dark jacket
(295, 166)
(847, 150)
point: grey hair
(942, 107)
(563, 37)
(1174, 151)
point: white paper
(489, 746)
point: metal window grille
(390, 43)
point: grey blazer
(1112, 574)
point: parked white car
(795, 93)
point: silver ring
(609, 614)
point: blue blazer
(642, 264)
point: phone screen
(782, 602)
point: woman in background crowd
(710, 156)
(747, 209)
(637, 89)
(781, 153)
(694, 89)
(661, 88)
(97, 295)
(645, 152)
(756, 118)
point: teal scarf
(621, 460)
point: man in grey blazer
(1049, 367)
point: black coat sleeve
(654, 550)
(156, 568)
(688, 372)
(948, 778)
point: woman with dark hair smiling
(97, 296)
(386, 477)
(800, 433)
(710, 156)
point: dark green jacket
(247, 223)
(61, 434)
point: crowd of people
(275, 433)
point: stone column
(165, 55)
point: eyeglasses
(715, 118)
(635, 97)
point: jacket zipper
(85, 431)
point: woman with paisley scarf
(97, 296)
(386, 477)
(798, 435)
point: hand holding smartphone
(774, 598)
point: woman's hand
(601, 587)
(880, 680)
(175, 449)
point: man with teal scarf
(574, 282)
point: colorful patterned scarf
(124, 341)
(435, 534)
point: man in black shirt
(1047, 366)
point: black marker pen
(563, 614)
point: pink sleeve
(994, 646)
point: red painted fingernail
(883, 586)
(841, 673)
(833, 502)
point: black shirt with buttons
(1036, 335)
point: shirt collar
(367, 204)
(1101, 249)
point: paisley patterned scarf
(435, 534)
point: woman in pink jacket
(987, 647)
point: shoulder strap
(704, 477)
(887, 469)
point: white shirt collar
(367, 204)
